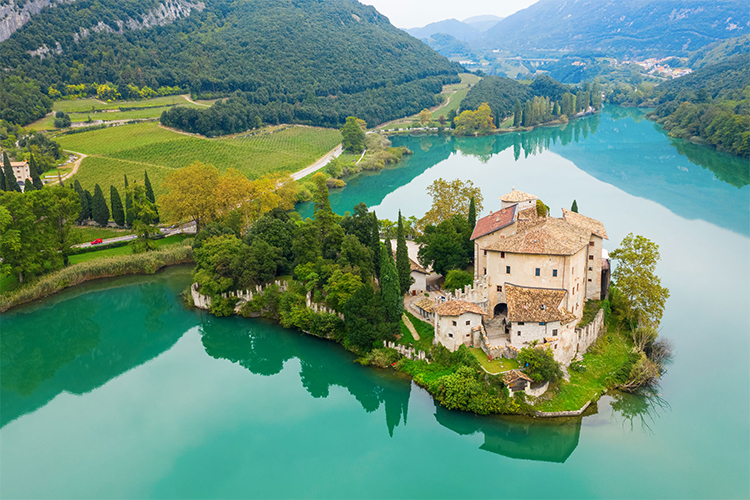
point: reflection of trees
(263, 348)
(82, 342)
(729, 168)
(641, 406)
(546, 440)
(32, 349)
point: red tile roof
(494, 221)
(457, 308)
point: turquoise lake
(114, 390)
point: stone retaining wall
(408, 352)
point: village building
(21, 171)
(533, 273)
(456, 323)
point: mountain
(634, 27)
(274, 51)
(718, 51)
(468, 29)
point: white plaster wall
(531, 331)
(453, 336)
(420, 282)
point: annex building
(533, 274)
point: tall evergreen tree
(517, 114)
(574, 207)
(99, 210)
(375, 245)
(128, 205)
(85, 212)
(2, 181)
(118, 213)
(390, 289)
(11, 184)
(28, 185)
(150, 195)
(472, 214)
(403, 266)
(34, 171)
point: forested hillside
(636, 27)
(329, 58)
(545, 99)
(711, 105)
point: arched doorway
(501, 309)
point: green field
(81, 110)
(131, 149)
(83, 234)
(124, 250)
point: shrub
(540, 364)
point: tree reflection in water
(643, 406)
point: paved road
(318, 164)
(188, 228)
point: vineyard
(131, 149)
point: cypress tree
(472, 214)
(574, 207)
(99, 210)
(403, 266)
(149, 190)
(85, 212)
(390, 290)
(10, 180)
(118, 213)
(128, 205)
(150, 195)
(38, 184)
(28, 185)
(89, 203)
(2, 181)
(517, 114)
(375, 244)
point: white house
(456, 323)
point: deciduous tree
(353, 136)
(449, 199)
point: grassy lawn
(497, 365)
(124, 250)
(86, 105)
(85, 233)
(131, 149)
(425, 330)
(604, 358)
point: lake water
(113, 389)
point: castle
(533, 274)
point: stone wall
(406, 351)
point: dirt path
(76, 165)
(410, 327)
(188, 99)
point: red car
(96, 241)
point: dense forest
(544, 100)
(711, 105)
(282, 54)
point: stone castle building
(536, 272)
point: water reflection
(641, 407)
(546, 440)
(77, 345)
(613, 147)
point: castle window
(485, 252)
(591, 243)
(502, 255)
(542, 323)
(554, 333)
(537, 272)
(591, 268)
(450, 335)
(554, 273)
(591, 257)
(589, 280)
(468, 322)
(572, 270)
(519, 334)
(499, 288)
(454, 323)
(520, 323)
(485, 270)
(507, 269)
